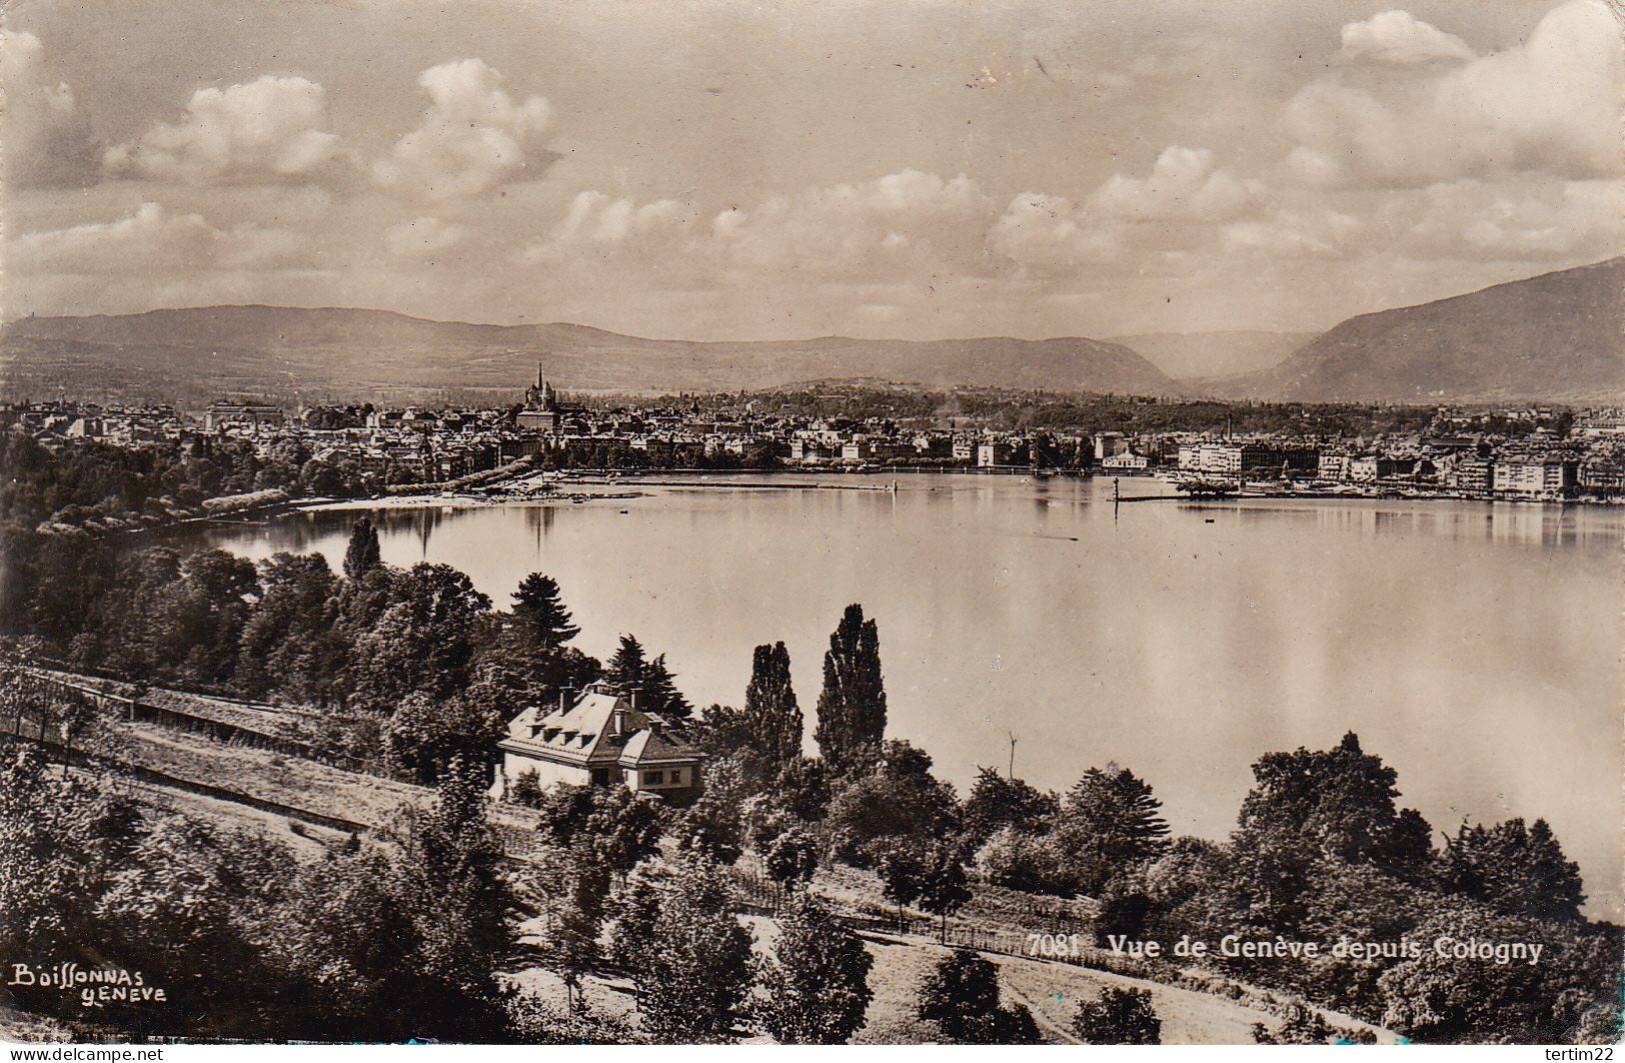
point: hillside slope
(1556, 337)
(205, 351)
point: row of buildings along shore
(1547, 454)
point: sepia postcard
(811, 522)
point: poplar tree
(363, 554)
(772, 715)
(852, 706)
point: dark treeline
(87, 480)
(1054, 411)
(413, 666)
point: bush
(1118, 1017)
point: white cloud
(153, 240)
(908, 222)
(1551, 104)
(1288, 233)
(1521, 219)
(473, 138)
(270, 130)
(423, 237)
(1400, 37)
(1183, 183)
(1051, 234)
(47, 140)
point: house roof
(599, 729)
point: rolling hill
(203, 352)
(1556, 337)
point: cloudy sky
(784, 168)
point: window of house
(676, 775)
(653, 778)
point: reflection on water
(1475, 647)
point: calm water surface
(1476, 648)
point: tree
(1109, 823)
(1339, 803)
(343, 929)
(460, 902)
(363, 553)
(943, 889)
(696, 969)
(1017, 860)
(660, 693)
(901, 802)
(626, 670)
(817, 978)
(540, 612)
(427, 626)
(1118, 1017)
(715, 824)
(49, 872)
(426, 733)
(634, 909)
(1308, 807)
(902, 874)
(1302, 1027)
(852, 705)
(772, 716)
(792, 857)
(615, 827)
(573, 913)
(961, 995)
(289, 644)
(996, 802)
(1521, 871)
(803, 788)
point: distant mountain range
(279, 350)
(1202, 355)
(1556, 337)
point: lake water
(1475, 647)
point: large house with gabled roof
(601, 739)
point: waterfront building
(1333, 466)
(992, 455)
(1603, 474)
(1125, 461)
(1536, 476)
(1234, 459)
(1109, 444)
(1472, 475)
